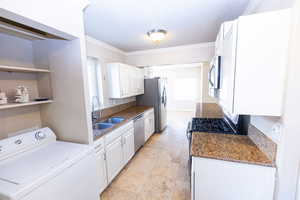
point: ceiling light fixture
(157, 35)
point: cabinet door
(125, 80)
(128, 146)
(114, 158)
(219, 42)
(101, 164)
(140, 81)
(262, 55)
(152, 123)
(226, 95)
(223, 180)
(147, 127)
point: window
(95, 82)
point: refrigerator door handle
(164, 97)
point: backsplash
(266, 125)
(106, 112)
(265, 144)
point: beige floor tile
(159, 171)
(118, 194)
(131, 181)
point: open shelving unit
(22, 69)
(16, 105)
(41, 57)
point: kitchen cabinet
(254, 60)
(128, 146)
(125, 80)
(223, 180)
(226, 94)
(101, 163)
(114, 151)
(219, 41)
(149, 124)
(114, 158)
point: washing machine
(35, 166)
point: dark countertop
(235, 148)
(128, 114)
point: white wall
(257, 6)
(288, 158)
(174, 55)
(106, 54)
(289, 162)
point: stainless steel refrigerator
(156, 95)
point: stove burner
(211, 125)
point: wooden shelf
(16, 105)
(22, 69)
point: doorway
(184, 85)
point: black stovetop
(211, 125)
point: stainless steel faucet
(95, 116)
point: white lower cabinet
(114, 158)
(223, 180)
(102, 168)
(149, 124)
(128, 146)
(113, 152)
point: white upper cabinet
(125, 80)
(219, 41)
(226, 95)
(254, 63)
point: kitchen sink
(114, 120)
(103, 125)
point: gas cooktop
(211, 125)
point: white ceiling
(124, 23)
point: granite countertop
(236, 148)
(208, 110)
(128, 114)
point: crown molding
(149, 51)
(104, 45)
(168, 49)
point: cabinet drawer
(149, 112)
(99, 144)
(110, 137)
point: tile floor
(159, 171)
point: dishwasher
(139, 132)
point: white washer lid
(20, 174)
(29, 166)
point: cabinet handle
(98, 146)
(122, 141)
(104, 156)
